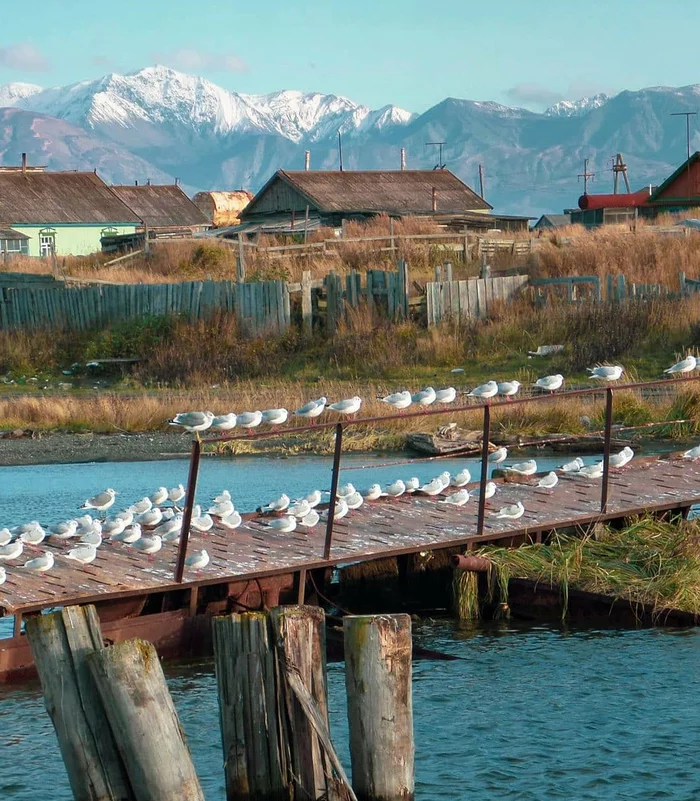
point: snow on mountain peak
(577, 108)
(12, 93)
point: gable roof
(46, 198)
(377, 191)
(554, 220)
(656, 193)
(165, 206)
(10, 233)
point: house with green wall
(66, 213)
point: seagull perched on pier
(224, 422)
(425, 397)
(592, 470)
(159, 496)
(232, 521)
(195, 422)
(354, 501)
(60, 531)
(33, 536)
(312, 409)
(550, 383)
(198, 560)
(686, 365)
(141, 506)
(224, 495)
(549, 481)
(152, 517)
(622, 458)
(345, 490)
(113, 526)
(278, 505)
(458, 498)
(310, 520)
(461, 479)
(221, 509)
(341, 509)
(412, 484)
(176, 494)
(299, 508)
(573, 466)
(606, 372)
(446, 395)
(129, 535)
(84, 553)
(395, 489)
(372, 493)
(170, 530)
(489, 490)
(527, 468)
(693, 453)
(41, 564)
(512, 512)
(201, 522)
(347, 406)
(398, 400)
(92, 537)
(5, 536)
(484, 391)
(102, 501)
(275, 417)
(11, 551)
(433, 487)
(313, 498)
(285, 525)
(148, 545)
(498, 456)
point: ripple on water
(527, 713)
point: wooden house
(163, 210)
(13, 243)
(681, 190)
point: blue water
(528, 713)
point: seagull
(148, 545)
(25, 528)
(299, 508)
(169, 528)
(221, 509)
(41, 564)
(224, 422)
(606, 372)
(550, 383)
(425, 397)
(193, 421)
(168, 513)
(5, 536)
(341, 509)
(11, 551)
(313, 408)
(224, 495)
(114, 526)
(372, 493)
(141, 506)
(412, 484)
(345, 490)
(592, 470)
(85, 521)
(127, 516)
(484, 391)
(458, 498)
(102, 501)
(509, 388)
(197, 560)
(527, 468)
(92, 537)
(445, 478)
(347, 406)
(313, 498)
(546, 350)
(150, 518)
(686, 365)
(61, 531)
(549, 481)
(275, 417)
(176, 494)
(34, 536)
(498, 456)
(433, 487)
(398, 400)
(310, 520)
(489, 490)
(159, 496)
(250, 419)
(395, 489)
(278, 505)
(129, 535)
(284, 525)
(84, 553)
(461, 479)
(3, 575)
(693, 453)
(201, 522)
(573, 466)
(354, 501)
(231, 521)
(446, 395)
(620, 459)
(512, 512)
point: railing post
(189, 506)
(334, 490)
(484, 469)
(606, 449)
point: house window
(47, 242)
(13, 245)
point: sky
(408, 53)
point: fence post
(306, 307)
(486, 434)
(448, 271)
(606, 449)
(240, 265)
(60, 643)
(380, 706)
(402, 288)
(187, 514)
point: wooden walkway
(380, 529)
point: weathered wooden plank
(481, 297)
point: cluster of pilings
(121, 739)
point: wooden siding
(457, 300)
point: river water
(527, 712)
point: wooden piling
(380, 710)
(60, 643)
(144, 722)
(245, 672)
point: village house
(164, 210)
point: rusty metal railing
(340, 426)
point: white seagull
(5, 536)
(461, 479)
(458, 498)
(313, 498)
(34, 536)
(141, 506)
(84, 553)
(159, 496)
(148, 545)
(193, 421)
(11, 551)
(102, 501)
(299, 508)
(354, 501)
(573, 466)
(232, 521)
(201, 522)
(592, 470)
(686, 365)
(250, 419)
(446, 395)
(310, 520)
(278, 505)
(433, 487)
(114, 526)
(512, 512)
(509, 388)
(606, 372)
(693, 453)
(224, 495)
(92, 537)
(412, 484)
(275, 417)
(550, 383)
(347, 406)
(150, 518)
(345, 490)
(372, 493)
(221, 509)
(341, 509)
(395, 489)
(170, 530)
(549, 481)
(498, 456)
(176, 494)
(60, 531)
(489, 490)
(484, 391)
(424, 397)
(527, 468)
(41, 564)
(284, 525)
(129, 535)
(197, 560)
(622, 458)
(224, 422)
(398, 400)
(313, 408)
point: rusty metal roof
(10, 233)
(48, 198)
(165, 206)
(389, 191)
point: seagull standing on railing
(194, 422)
(550, 383)
(425, 397)
(484, 391)
(446, 395)
(686, 365)
(275, 417)
(347, 406)
(398, 400)
(606, 372)
(312, 409)
(224, 422)
(509, 388)
(250, 420)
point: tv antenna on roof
(440, 165)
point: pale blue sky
(374, 51)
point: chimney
(434, 199)
(24, 163)
(307, 160)
(403, 158)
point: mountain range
(162, 124)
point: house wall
(685, 186)
(279, 197)
(72, 240)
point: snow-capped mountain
(160, 124)
(577, 108)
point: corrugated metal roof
(165, 206)
(282, 227)
(390, 191)
(10, 233)
(46, 198)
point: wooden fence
(469, 299)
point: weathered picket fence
(459, 300)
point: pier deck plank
(380, 529)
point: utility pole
(340, 150)
(481, 180)
(586, 175)
(619, 167)
(440, 165)
(687, 115)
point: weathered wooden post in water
(380, 708)
(144, 722)
(60, 643)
